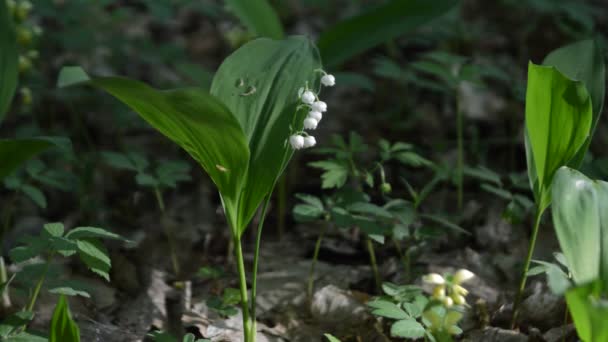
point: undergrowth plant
(163, 175)
(564, 99)
(356, 181)
(242, 133)
(413, 315)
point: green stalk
(248, 326)
(315, 257)
(524, 276)
(460, 161)
(256, 259)
(168, 232)
(282, 205)
(374, 264)
(405, 259)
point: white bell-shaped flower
(309, 141)
(448, 302)
(296, 141)
(310, 123)
(308, 97)
(328, 80)
(319, 106)
(433, 278)
(315, 115)
(462, 276)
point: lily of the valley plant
(242, 133)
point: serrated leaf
(63, 328)
(331, 338)
(306, 213)
(35, 195)
(145, 179)
(95, 256)
(409, 328)
(69, 291)
(14, 321)
(387, 309)
(335, 175)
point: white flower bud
(462, 276)
(448, 302)
(460, 290)
(433, 278)
(319, 106)
(309, 141)
(328, 80)
(315, 115)
(308, 97)
(296, 141)
(459, 300)
(310, 123)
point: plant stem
(524, 276)
(32, 303)
(168, 232)
(282, 205)
(372, 260)
(315, 257)
(460, 161)
(247, 323)
(256, 259)
(405, 259)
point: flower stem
(168, 232)
(248, 326)
(315, 257)
(460, 161)
(256, 259)
(32, 303)
(374, 264)
(282, 205)
(524, 276)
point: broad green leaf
(307, 213)
(93, 253)
(376, 26)
(558, 120)
(91, 232)
(583, 61)
(580, 217)
(259, 17)
(8, 62)
(14, 321)
(191, 118)
(588, 312)
(13, 152)
(26, 337)
(408, 328)
(63, 328)
(259, 84)
(35, 195)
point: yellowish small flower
(25, 64)
(462, 276)
(448, 302)
(433, 278)
(439, 292)
(459, 300)
(26, 96)
(460, 290)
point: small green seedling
(63, 327)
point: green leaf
(583, 61)
(335, 175)
(145, 179)
(259, 83)
(193, 119)
(259, 17)
(558, 120)
(35, 195)
(14, 321)
(69, 291)
(34, 246)
(408, 328)
(26, 337)
(63, 328)
(307, 213)
(93, 253)
(384, 308)
(14, 152)
(589, 313)
(580, 217)
(8, 61)
(331, 338)
(91, 232)
(53, 229)
(376, 26)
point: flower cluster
(448, 288)
(315, 108)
